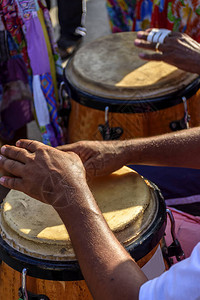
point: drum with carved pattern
(114, 94)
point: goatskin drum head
(109, 67)
(34, 228)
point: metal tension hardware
(184, 122)
(24, 294)
(175, 248)
(107, 132)
(64, 106)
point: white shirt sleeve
(180, 282)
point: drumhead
(35, 232)
(109, 68)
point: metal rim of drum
(70, 270)
(130, 106)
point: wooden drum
(142, 98)
(35, 242)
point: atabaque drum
(36, 251)
(115, 94)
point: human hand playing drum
(174, 48)
(42, 172)
(171, 149)
(108, 269)
(99, 158)
(58, 178)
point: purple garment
(12, 70)
(15, 91)
(16, 105)
(17, 115)
(37, 49)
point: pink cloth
(187, 228)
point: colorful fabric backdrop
(121, 13)
(176, 15)
(29, 69)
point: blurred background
(97, 25)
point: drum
(36, 251)
(114, 94)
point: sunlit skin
(173, 149)
(42, 163)
(178, 49)
(58, 178)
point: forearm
(107, 268)
(180, 149)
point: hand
(99, 158)
(42, 172)
(178, 49)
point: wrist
(78, 206)
(68, 193)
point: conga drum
(35, 249)
(114, 94)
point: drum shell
(11, 281)
(84, 121)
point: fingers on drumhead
(158, 35)
(144, 44)
(14, 153)
(11, 166)
(11, 182)
(143, 34)
(154, 56)
(29, 145)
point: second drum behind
(114, 94)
